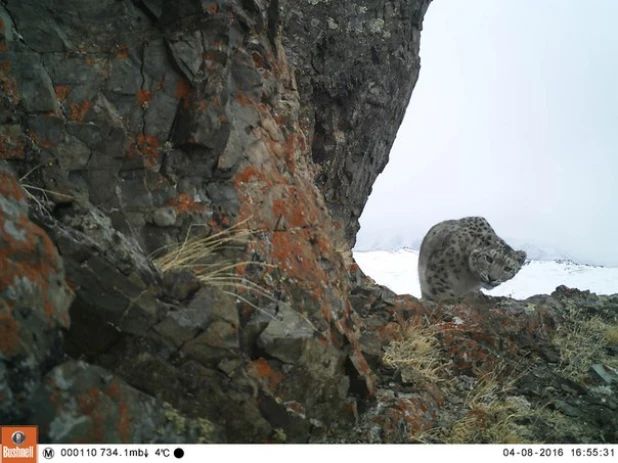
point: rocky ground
(491, 370)
(180, 188)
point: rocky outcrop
(195, 171)
(356, 65)
(135, 126)
(490, 370)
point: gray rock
(35, 86)
(81, 402)
(164, 216)
(603, 374)
(286, 335)
(371, 81)
(34, 303)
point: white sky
(515, 118)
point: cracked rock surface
(131, 126)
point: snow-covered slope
(398, 271)
(400, 241)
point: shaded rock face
(357, 63)
(133, 125)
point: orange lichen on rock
(115, 392)
(9, 85)
(212, 9)
(359, 361)
(29, 267)
(293, 253)
(42, 142)
(122, 52)
(89, 404)
(295, 208)
(143, 97)
(185, 204)
(467, 353)
(12, 145)
(258, 59)
(105, 407)
(270, 377)
(147, 147)
(251, 174)
(10, 188)
(243, 99)
(31, 256)
(353, 267)
(183, 91)
(79, 110)
(62, 92)
(389, 332)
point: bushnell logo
(18, 438)
(19, 444)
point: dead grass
(202, 255)
(41, 200)
(416, 353)
(582, 342)
(491, 413)
(488, 414)
(198, 253)
(611, 334)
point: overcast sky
(514, 118)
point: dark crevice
(358, 387)
(274, 22)
(143, 86)
(144, 8)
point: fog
(514, 118)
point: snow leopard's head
(496, 263)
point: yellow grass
(582, 342)
(416, 353)
(201, 255)
(491, 414)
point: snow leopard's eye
(508, 269)
(489, 259)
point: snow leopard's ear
(521, 257)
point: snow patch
(398, 270)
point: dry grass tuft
(202, 256)
(42, 202)
(582, 342)
(491, 414)
(611, 334)
(416, 353)
(198, 254)
(488, 414)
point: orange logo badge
(19, 444)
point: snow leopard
(459, 257)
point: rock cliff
(180, 190)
